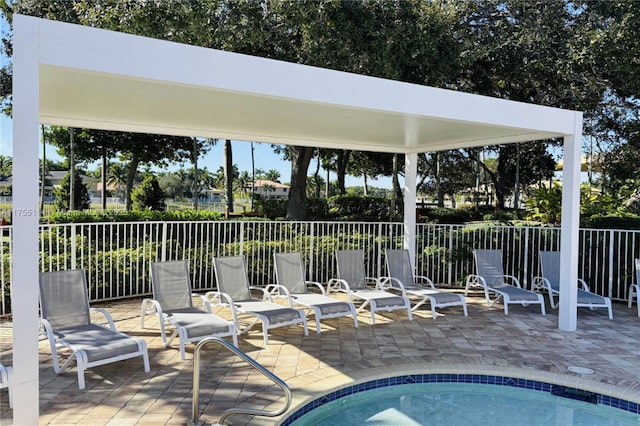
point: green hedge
(625, 221)
(132, 216)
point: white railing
(117, 255)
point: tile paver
(522, 344)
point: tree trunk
(439, 191)
(72, 171)
(196, 186)
(300, 159)
(228, 174)
(316, 178)
(365, 186)
(397, 205)
(341, 169)
(43, 179)
(131, 175)
(103, 178)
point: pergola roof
(85, 77)
(100, 79)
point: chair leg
(80, 376)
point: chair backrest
(63, 298)
(550, 267)
(231, 275)
(290, 272)
(399, 266)
(351, 268)
(171, 284)
(489, 266)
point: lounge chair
(173, 303)
(290, 276)
(491, 279)
(66, 319)
(352, 280)
(550, 281)
(234, 291)
(633, 289)
(402, 278)
(6, 374)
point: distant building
(270, 189)
(54, 179)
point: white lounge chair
(490, 277)
(6, 374)
(402, 278)
(550, 281)
(353, 280)
(633, 288)
(290, 276)
(234, 291)
(173, 303)
(66, 319)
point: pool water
(462, 404)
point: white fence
(116, 256)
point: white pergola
(79, 76)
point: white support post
(410, 172)
(24, 273)
(569, 243)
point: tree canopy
(582, 55)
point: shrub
(80, 193)
(270, 208)
(134, 216)
(353, 207)
(446, 216)
(618, 221)
(148, 195)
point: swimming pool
(465, 399)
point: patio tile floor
(523, 344)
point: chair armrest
(393, 284)
(48, 330)
(106, 315)
(337, 284)
(421, 279)
(4, 373)
(278, 290)
(219, 298)
(205, 303)
(265, 294)
(375, 281)
(316, 284)
(584, 285)
(155, 305)
(515, 281)
(474, 280)
(540, 283)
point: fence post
(73, 246)
(610, 280)
(241, 238)
(525, 281)
(163, 253)
(379, 272)
(312, 233)
(449, 259)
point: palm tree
(6, 165)
(272, 175)
(117, 177)
(243, 182)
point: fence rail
(117, 256)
